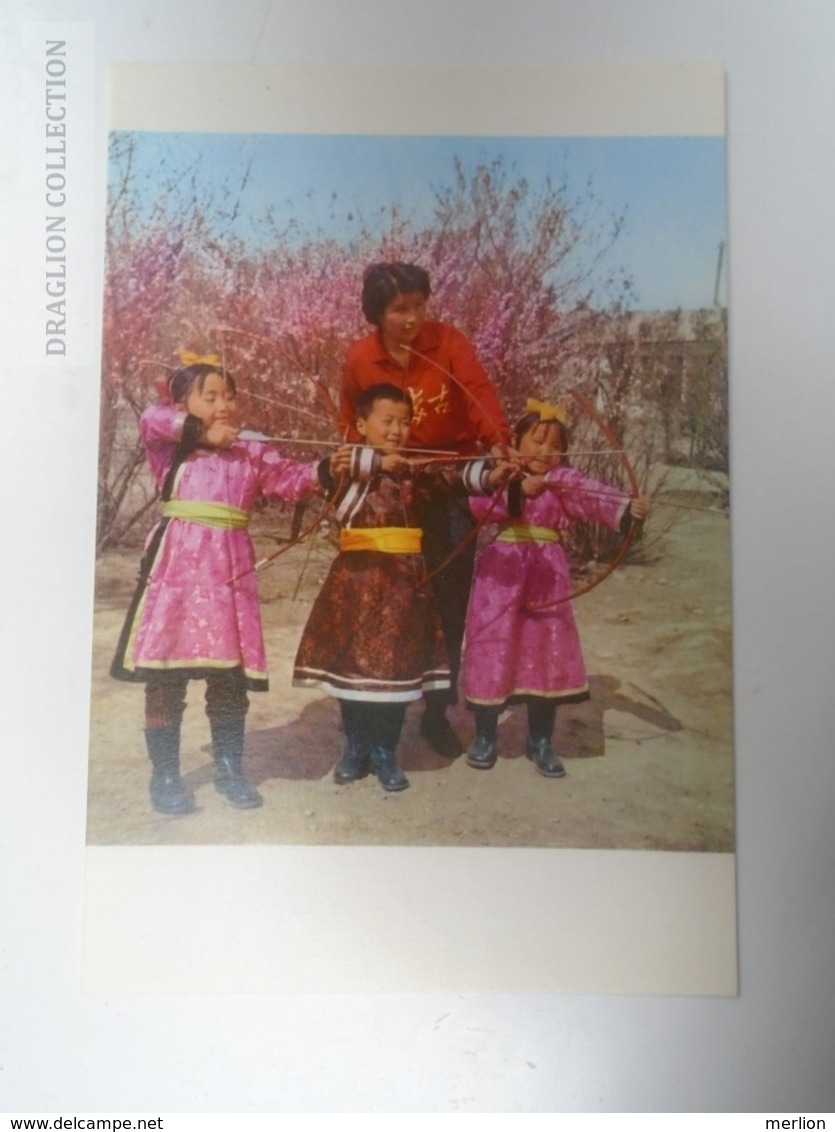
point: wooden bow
(472, 534)
(591, 411)
(324, 395)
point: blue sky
(670, 191)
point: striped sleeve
(475, 477)
(365, 462)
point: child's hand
(502, 472)
(394, 463)
(532, 486)
(220, 434)
(340, 461)
(505, 452)
(640, 507)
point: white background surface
(415, 919)
(770, 1049)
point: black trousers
(542, 714)
(446, 525)
(369, 724)
(165, 698)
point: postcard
(526, 266)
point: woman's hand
(640, 507)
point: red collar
(428, 339)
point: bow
(473, 533)
(591, 411)
(331, 408)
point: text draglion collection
(406, 605)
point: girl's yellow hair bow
(189, 358)
(546, 411)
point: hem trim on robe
(520, 696)
(378, 691)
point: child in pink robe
(195, 613)
(521, 642)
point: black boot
(354, 764)
(436, 729)
(542, 714)
(168, 793)
(228, 750)
(388, 772)
(544, 757)
(482, 752)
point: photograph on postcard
(413, 521)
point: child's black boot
(228, 751)
(387, 770)
(168, 792)
(538, 747)
(354, 764)
(544, 757)
(482, 752)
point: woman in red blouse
(454, 408)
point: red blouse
(443, 416)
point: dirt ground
(649, 757)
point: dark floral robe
(374, 632)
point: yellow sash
(390, 540)
(209, 514)
(524, 532)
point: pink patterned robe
(512, 649)
(198, 612)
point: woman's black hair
(183, 380)
(531, 420)
(383, 391)
(383, 282)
